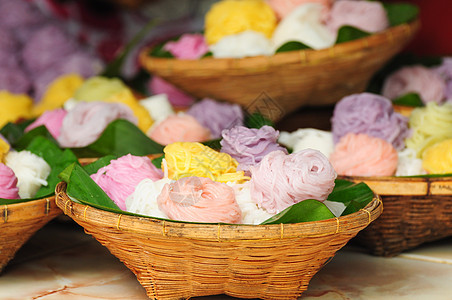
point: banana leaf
(304, 211)
(400, 13)
(14, 131)
(350, 33)
(28, 137)
(208, 54)
(292, 46)
(257, 120)
(120, 138)
(353, 195)
(214, 144)
(411, 99)
(99, 163)
(345, 34)
(158, 51)
(158, 161)
(57, 159)
(19, 139)
(81, 187)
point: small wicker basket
(290, 79)
(20, 222)
(417, 210)
(174, 260)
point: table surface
(62, 262)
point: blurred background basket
(20, 222)
(290, 79)
(174, 260)
(416, 210)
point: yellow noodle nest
(4, 149)
(126, 97)
(430, 125)
(58, 92)
(234, 16)
(14, 107)
(185, 159)
(99, 88)
(437, 159)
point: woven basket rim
(307, 56)
(223, 232)
(397, 178)
(29, 202)
(40, 207)
(406, 186)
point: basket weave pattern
(417, 210)
(174, 260)
(20, 221)
(292, 79)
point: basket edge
(220, 232)
(305, 57)
(406, 186)
(44, 207)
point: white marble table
(62, 262)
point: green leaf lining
(292, 46)
(411, 99)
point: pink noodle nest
(179, 128)
(8, 183)
(121, 176)
(281, 180)
(198, 199)
(415, 79)
(52, 120)
(365, 15)
(364, 155)
(176, 96)
(284, 7)
(189, 46)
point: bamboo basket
(175, 260)
(417, 210)
(279, 84)
(20, 221)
